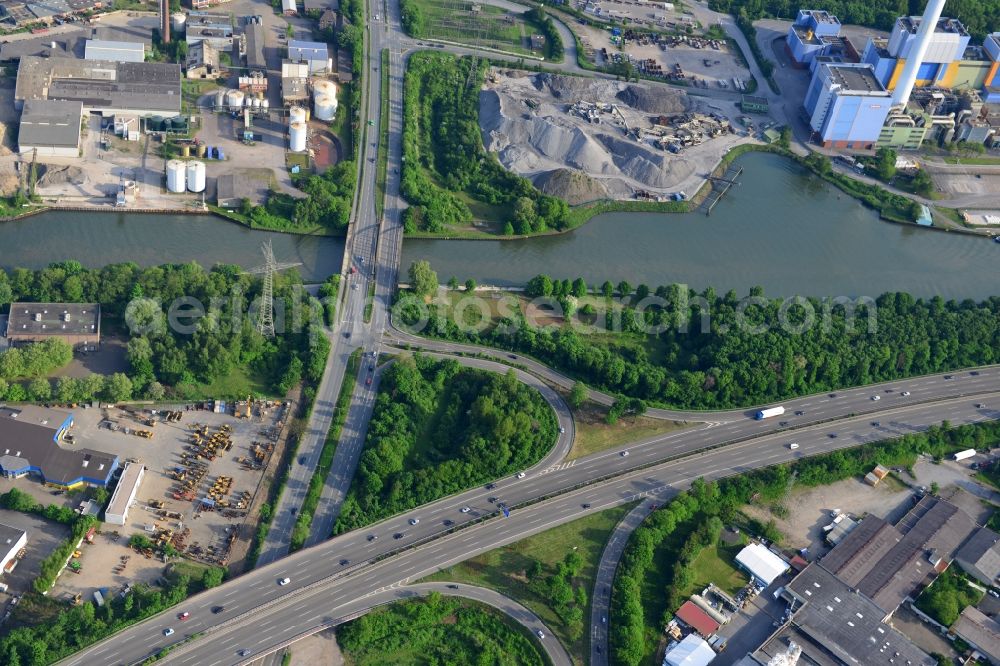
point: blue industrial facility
(813, 33)
(847, 106)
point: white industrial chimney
(928, 24)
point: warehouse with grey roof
(77, 324)
(101, 86)
(50, 128)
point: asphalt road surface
(262, 615)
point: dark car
(371, 537)
(218, 609)
(490, 486)
(832, 435)
(974, 373)
(347, 334)
(302, 460)
(782, 423)
(492, 500)
(949, 376)
(799, 413)
(398, 535)
(585, 505)
(344, 563)
(453, 587)
(447, 522)
(833, 395)
(876, 423)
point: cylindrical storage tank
(256, 103)
(220, 98)
(297, 137)
(155, 123)
(296, 114)
(264, 104)
(185, 150)
(201, 149)
(235, 98)
(177, 21)
(175, 176)
(178, 123)
(196, 176)
(325, 107)
(323, 87)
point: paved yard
(43, 537)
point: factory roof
(66, 44)
(983, 551)
(697, 619)
(806, 35)
(320, 5)
(692, 651)
(103, 49)
(54, 318)
(101, 83)
(255, 46)
(980, 630)
(912, 23)
(855, 79)
(51, 123)
(201, 53)
(208, 19)
(846, 624)
(9, 536)
(820, 16)
(131, 477)
(761, 562)
(298, 49)
(29, 433)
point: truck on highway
(769, 412)
(962, 455)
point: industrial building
(102, 86)
(124, 494)
(202, 62)
(29, 444)
(696, 619)
(761, 563)
(315, 54)
(50, 128)
(847, 105)
(289, 8)
(980, 556)
(253, 37)
(692, 651)
(980, 631)
(294, 82)
(216, 29)
(810, 34)
(12, 540)
(77, 324)
(100, 49)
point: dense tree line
(979, 16)
(706, 351)
(219, 338)
(947, 596)
(704, 501)
(437, 630)
(329, 197)
(443, 153)
(75, 627)
(539, 16)
(438, 428)
(35, 360)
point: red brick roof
(697, 619)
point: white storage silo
(264, 105)
(196, 176)
(297, 137)
(220, 98)
(177, 22)
(325, 107)
(235, 98)
(175, 176)
(323, 87)
(296, 114)
(256, 104)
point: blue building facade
(847, 106)
(805, 37)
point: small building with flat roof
(30, 439)
(254, 36)
(980, 556)
(696, 619)
(78, 324)
(124, 495)
(315, 54)
(202, 61)
(50, 128)
(103, 49)
(12, 540)
(761, 563)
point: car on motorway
(344, 563)
(793, 446)
(905, 393)
(368, 382)
(447, 523)
(974, 373)
(876, 424)
(876, 397)
(183, 616)
(832, 435)
(285, 581)
(293, 510)
(562, 431)
(799, 413)
(782, 423)
(980, 405)
(540, 633)
(949, 376)
(465, 509)
(372, 537)
(302, 460)
(490, 486)
(453, 587)
(512, 356)
(398, 535)
(371, 123)
(218, 609)
(347, 334)
(585, 505)
(244, 653)
(169, 631)
(624, 454)
(520, 475)
(414, 521)
(492, 500)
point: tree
(453, 283)
(39, 389)
(540, 285)
(885, 164)
(579, 288)
(117, 387)
(470, 285)
(578, 395)
(785, 140)
(423, 279)
(212, 577)
(624, 288)
(922, 183)
(608, 289)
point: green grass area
(193, 570)
(370, 301)
(341, 125)
(382, 168)
(239, 383)
(593, 434)
(974, 161)
(300, 160)
(304, 520)
(192, 89)
(506, 569)
(718, 565)
(487, 26)
(952, 214)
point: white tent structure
(762, 564)
(692, 651)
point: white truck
(962, 455)
(769, 412)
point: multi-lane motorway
(261, 615)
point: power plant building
(847, 105)
(811, 34)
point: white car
(465, 509)
(414, 521)
(793, 446)
(562, 431)
(284, 581)
(905, 393)
(520, 475)
(540, 633)
(624, 454)
(168, 631)
(876, 397)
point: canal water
(96, 239)
(780, 228)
